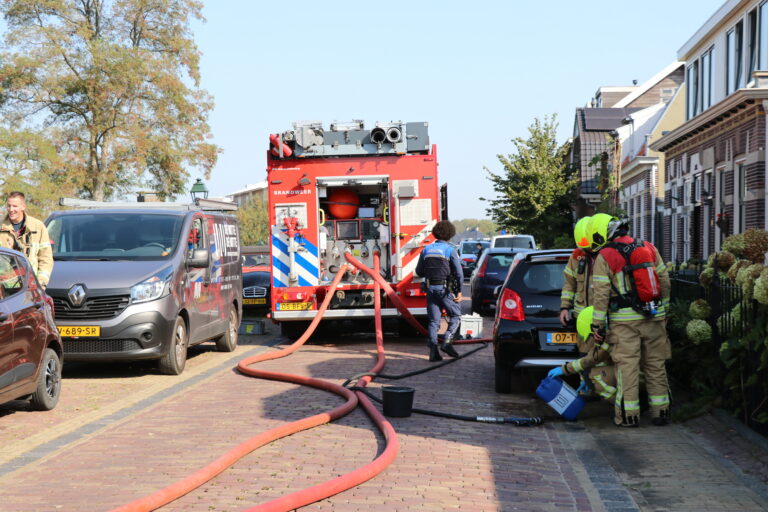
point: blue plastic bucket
(561, 397)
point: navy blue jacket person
(440, 266)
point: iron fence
(734, 319)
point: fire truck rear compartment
(354, 217)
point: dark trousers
(438, 298)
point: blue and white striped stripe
(307, 262)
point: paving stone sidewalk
(442, 464)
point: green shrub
(735, 244)
(698, 331)
(700, 309)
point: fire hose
(354, 396)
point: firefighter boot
(448, 347)
(630, 421)
(662, 419)
(434, 354)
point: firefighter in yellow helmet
(576, 296)
(631, 287)
(596, 361)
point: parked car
(256, 288)
(254, 257)
(526, 330)
(517, 241)
(490, 272)
(468, 252)
(145, 283)
(30, 346)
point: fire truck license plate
(556, 338)
(294, 306)
(69, 331)
(254, 301)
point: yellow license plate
(294, 306)
(556, 338)
(254, 301)
(75, 331)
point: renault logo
(76, 295)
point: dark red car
(30, 346)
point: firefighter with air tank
(576, 298)
(630, 287)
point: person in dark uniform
(440, 266)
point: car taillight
(468, 260)
(481, 271)
(510, 306)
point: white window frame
(686, 237)
(686, 192)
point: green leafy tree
(253, 218)
(115, 83)
(30, 163)
(536, 187)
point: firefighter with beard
(631, 288)
(595, 365)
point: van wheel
(174, 361)
(227, 342)
(46, 396)
(503, 377)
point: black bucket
(398, 401)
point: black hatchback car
(492, 268)
(527, 331)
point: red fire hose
(315, 493)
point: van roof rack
(199, 204)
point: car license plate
(557, 338)
(294, 306)
(74, 331)
(254, 301)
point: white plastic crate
(471, 325)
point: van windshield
(114, 236)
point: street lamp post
(199, 190)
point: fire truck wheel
(173, 362)
(293, 330)
(227, 342)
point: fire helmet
(602, 228)
(580, 233)
(584, 322)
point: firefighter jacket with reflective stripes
(438, 261)
(33, 241)
(576, 293)
(607, 280)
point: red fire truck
(348, 188)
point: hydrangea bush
(698, 331)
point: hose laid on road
(353, 398)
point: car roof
(102, 211)
(546, 254)
(502, 250)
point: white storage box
(471, 326)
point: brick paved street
(96, 451)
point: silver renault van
(145, 282)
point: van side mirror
(496, 292)
(199, 258)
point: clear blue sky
(478, 72)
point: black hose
(415, 372)
(520, 422)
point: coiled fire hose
(353, 397)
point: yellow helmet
(599, 230)
(584, 322)
(580, 233)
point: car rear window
(540, 277)
(471, 247)
(499, 262)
